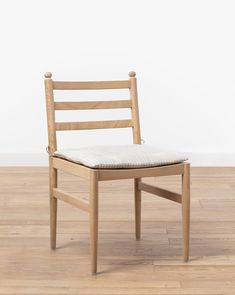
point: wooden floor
(152, 265)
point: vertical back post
(135, 108)
(136, 140)
(50, 113)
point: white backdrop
(183, 53)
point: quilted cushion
(120, 156)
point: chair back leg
(186, 210)
(93, 219)
(137, 193)
(53, 204)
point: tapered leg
(53, 204)
(137, 208)
(93, 201)
(186, 210)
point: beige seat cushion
(123, 156)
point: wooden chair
(96, 175)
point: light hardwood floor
(152, 265)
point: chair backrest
(53, 106)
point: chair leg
(53, 204)
(186, 210)
(137, 208)
(93, 201)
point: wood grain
(135, 108)
(60, 126)
(66, 197)
(88, 85)
(90, 105)
(160, 192)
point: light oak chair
(73, 163)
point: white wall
(183, 53)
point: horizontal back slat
(90, 105)
(93, 125)
(60, 85)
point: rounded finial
(48, 75)
(132, 74)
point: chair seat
(120, 156)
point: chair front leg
(137, 193)
(93, 218)
(186, 210)
(53, 203)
